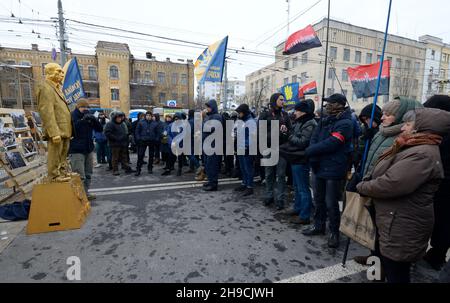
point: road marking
(97, 190)
(328, 274)
(148, 188)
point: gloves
(351, 185)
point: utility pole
(62, 33)
(225, 91)
(288, 15)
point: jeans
(303, 199)
(102, 152)
(212, 168)
(141, 149)
(276, 175)
(82, 164)
(326, 196)
(246, 164)
(396, 272)
(157, 152)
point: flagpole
(326, 64)
(375, 100)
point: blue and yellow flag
(209, 65)
(73, 82)
(290, 92)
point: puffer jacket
(213, 115)
(330, 146)
(282, 117)
(402, 187)
(146, 131)
(84, 125)
(116, 134)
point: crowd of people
(406, 170)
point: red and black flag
(308, 89)
(302, 40)
(364, 79)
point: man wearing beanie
(294, 152)
(146, 135)
(246, 161)
(367, 133)
(81, 148)
(212, 162)
(276, 174)
(329, 154)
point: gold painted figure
(57, 122)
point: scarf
(407, 140)
(391, 131)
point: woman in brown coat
(402, 186)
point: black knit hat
(336, 98)
(367, 112)
(441, 102)
(303, 107)
(243, 108)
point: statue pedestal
(58, 206)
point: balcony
(142, 82)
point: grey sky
(247, 22)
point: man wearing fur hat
(82, 146)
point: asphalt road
(175, 232)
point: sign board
(172, 103)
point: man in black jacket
(146, 134)
(117, 136)
(276, 175)
(82, 145)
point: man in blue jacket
(82, 145)
(212, 163)
(146, 135)
(328, 154)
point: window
(114, 72)
(417, 67)
(294, 78)
(331, 72)
(174, 79)
(398, 63)
(358, 57)
(92, 70)
(80, 67)
(304, 58)
(286, 81)
(433, 54)
(431, 71)
(115, 94)
(174, 96)
(25, 63)
(333, 52)
(330, 91)
(430, 86)
(378, 58)
(397, 82)
(137, 75)
(344, 75)
(43, 68)
(11, 62)
(304, 76)
(161, 78)
(415, 83)
(162, 97)
(346, 55)
(147, 77)
(369, 58)
(184, 79)
(407, 64)
(286, 64)
(385, 99)
(294, 62)
(184, 99)
(442, 74)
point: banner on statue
(73, 82)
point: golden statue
(57, 122)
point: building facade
(113, 78)
(436, 76)
(349, 46)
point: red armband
(338, 136)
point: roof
(113, 46)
